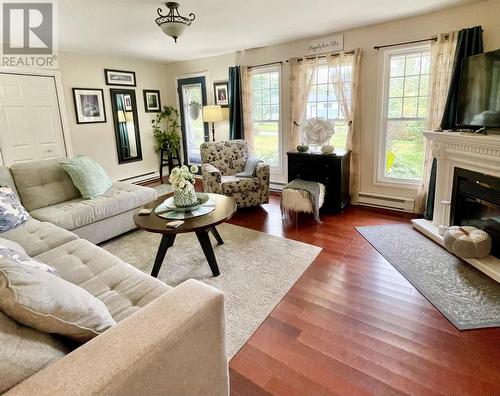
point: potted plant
(167, 138)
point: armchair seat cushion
(233, 184)
(76, 213)
(121, 287)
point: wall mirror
(128, 138)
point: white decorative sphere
(317, 131)
(327, 149)
(467, 242)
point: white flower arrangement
(181, 177)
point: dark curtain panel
(235, 104)
(469, 42)
(431, 194)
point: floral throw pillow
(23, 259)
(12, 213)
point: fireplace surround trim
(473, 152)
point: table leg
(206, 245)
(217, 236)
(167, 240)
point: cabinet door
(30, 122)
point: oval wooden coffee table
(201, 226)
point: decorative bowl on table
(170, 205)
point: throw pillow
(12, 245)
(50, 304)
(88, 176)
(24, 352)
(12, 213)
(23, 259)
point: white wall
(98, 140)
(486, 14)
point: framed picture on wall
(221, 93)
(152, 103)
(89, 105)
(120, 77)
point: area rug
(257, 270)
(465, 296)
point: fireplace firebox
(475, 202)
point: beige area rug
(257, 270)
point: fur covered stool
(302, 196)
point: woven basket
(467, 242)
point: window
(406, 90)
(266, 115)
(323, 103)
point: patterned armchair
(221, 161)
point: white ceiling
(127, 27)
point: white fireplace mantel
(479, 153)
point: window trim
(380, 179)
(280, 169)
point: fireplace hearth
(476, 202)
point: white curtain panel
(442, 57)
(301, 77)
(246, 93)
(339, 78)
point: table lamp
(213, 114)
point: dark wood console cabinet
(330, 169)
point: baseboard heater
(143, 178)
(385, 202)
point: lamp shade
(212, 114)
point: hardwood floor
(352, 325)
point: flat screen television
(479, 92)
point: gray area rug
(257, 270)
(465, 296)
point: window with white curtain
(323, 102)
(266, 115)
(403, 112)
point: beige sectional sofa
(166, 341)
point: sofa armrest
(263, 173)
(175, 345)
(212, 179)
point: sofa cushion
(7, 180)
(233, 184)
(12, 213)
(48, 303)
(123, 288)
(42, 183)
(25, 351)
(87, 175)
(121, 197)
(37, 237)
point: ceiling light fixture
(173, 24)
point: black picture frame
(113, 93)
(80, 117)
(218, 87)
(109, 81)
(145, 94)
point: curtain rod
(434, 38)
(324, 56)
(266, 64)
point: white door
(30, 122)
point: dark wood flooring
(352, 325)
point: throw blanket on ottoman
(303, 196)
